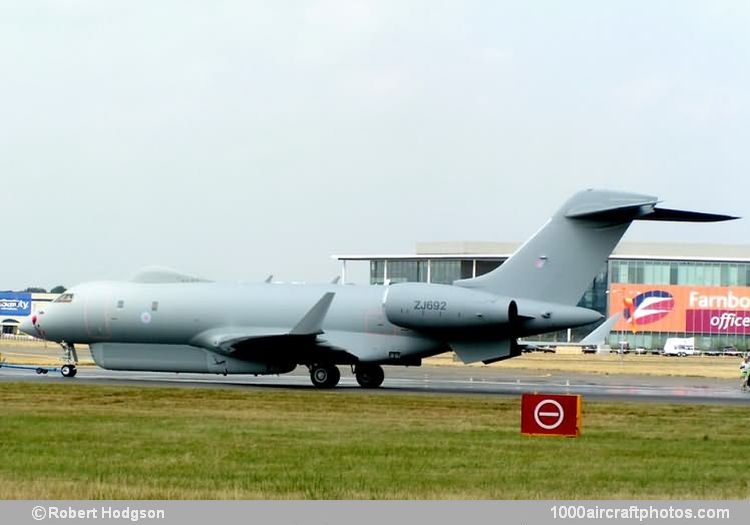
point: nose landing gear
(70, 359)
(68, 370)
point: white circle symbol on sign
(556, 412)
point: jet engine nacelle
(422, 306)
(455, 310)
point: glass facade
(618, 271)
(695, 273)
(377, 272)
(440, 271)
(407, 271)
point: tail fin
(561, 260)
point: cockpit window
(65, 298)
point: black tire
(369, 376)
(68, 370)
(324, 376)
(40, 370)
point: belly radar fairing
(171, 322)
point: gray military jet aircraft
(169, 322)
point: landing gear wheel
(40, 370)
(324, 376)
(68, 370)
(369, 376)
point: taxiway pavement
(435, 379)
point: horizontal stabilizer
(485, 351)
(611, 206)
(642, 208)
(664, 214)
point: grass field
(653, 365)
(84, 441)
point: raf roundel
(145, 318)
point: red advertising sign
(718, 321)
(550, 415)
(672, 308)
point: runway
(435, 380)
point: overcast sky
(238, 139)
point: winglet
(312, 322)
(268, 279)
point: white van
(680, 346)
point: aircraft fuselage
(188, 313)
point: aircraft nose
(27, 326)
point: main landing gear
(369, 376)
(325, 375)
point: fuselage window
(120, 304)
(65, 298)
(154, 306)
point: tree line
(36, 289)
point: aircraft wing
(258, 342)
(598, 336)
(224, 340)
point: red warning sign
(550, 415)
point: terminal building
(661, 290)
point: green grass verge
(85, 441)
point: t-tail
(535, 291)
(561, 260)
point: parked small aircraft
(170, 322)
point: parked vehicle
(731, 351)
(728, 351)
(680, 346)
